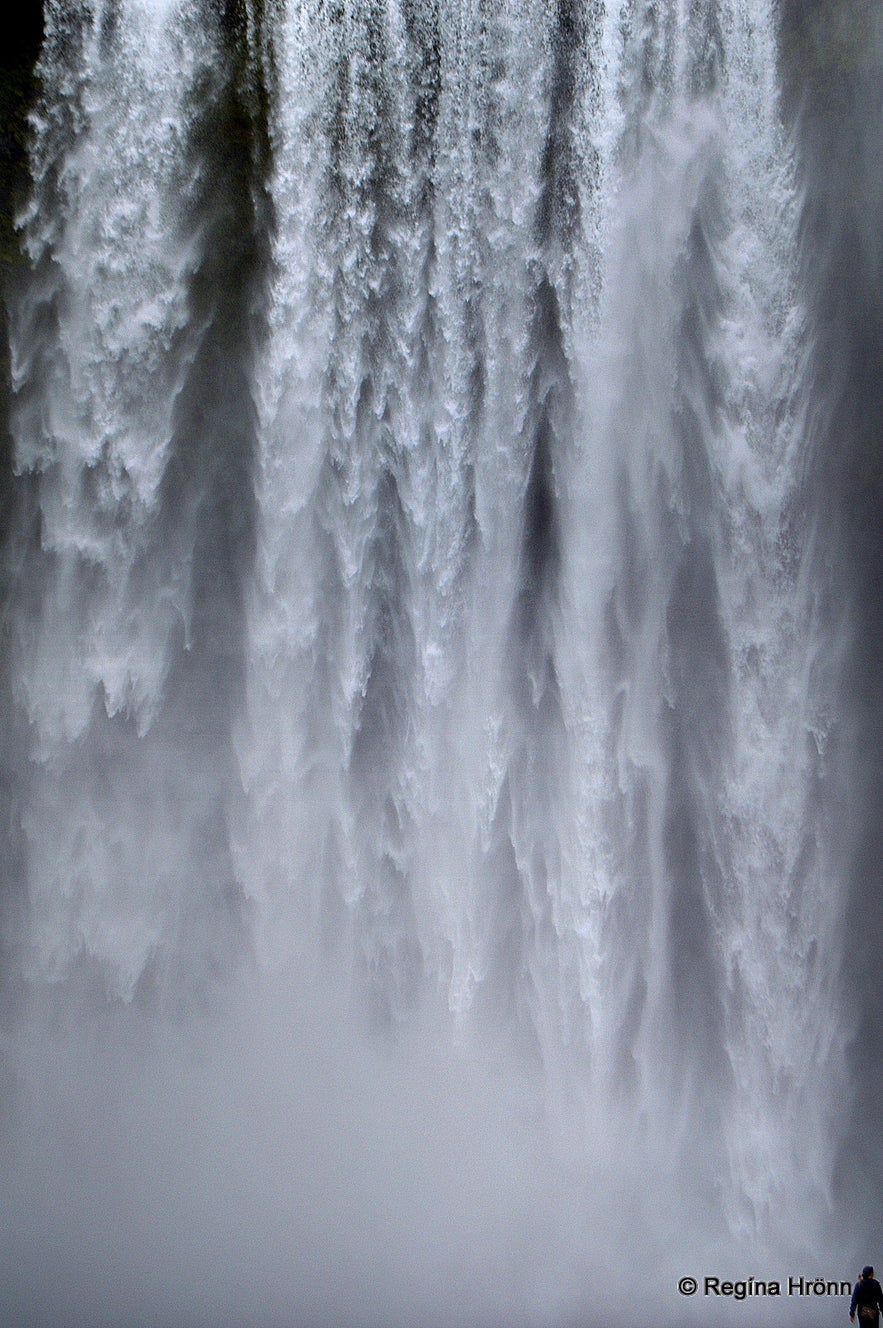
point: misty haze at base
(271, 1168)
(442, 661)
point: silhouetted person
(867, 1298)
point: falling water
(443, 643)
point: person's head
(868, 1270)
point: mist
(270, 1164)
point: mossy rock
(827, 46)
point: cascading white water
(423, 658)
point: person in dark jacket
(867, 1298)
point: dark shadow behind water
(17, 90)
(832, 58)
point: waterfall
(442, 650)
